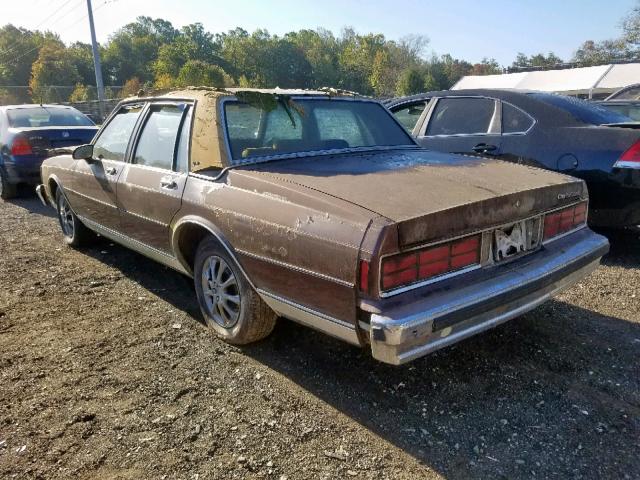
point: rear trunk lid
(430, 195)
(43, 139)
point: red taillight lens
(630, 158)
(564, 220)
(427, 263)
(364, 276)
(21, 146)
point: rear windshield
(47, 117)
(309, 125)
(630, 110)
(581, 110)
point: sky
(467, 29)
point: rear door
(469, 125)
(92, 193)
(151, 185)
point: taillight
(364, 276)
(427, 263)
(21, 146)
(630, 158)
(564, 220)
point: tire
(229, 305)
(74, 233)
(7, 190)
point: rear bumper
(29, 174)
(449, 315)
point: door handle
(484, 148)
(168, 183)
(111, 171)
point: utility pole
(96, 60)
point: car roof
(198, 92)
(502, 94)
(35, 105)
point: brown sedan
(320, 208)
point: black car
(538, 129)
(28, 133)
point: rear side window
(514, 120)
(157, 143)
(47, 117)
(409, 115)
(461, 116)
(113, 140)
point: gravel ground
(107, 372)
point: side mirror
(83, 152)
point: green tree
(411, 81)
(199, 73)
(53, 67)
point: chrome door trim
(311, 318)
(135, 245)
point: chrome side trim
(311, 318)
(93, 199)
(290, 266)
(135, 245)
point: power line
(13, 48)
(10, 62)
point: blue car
(28, 133)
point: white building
(588, 82)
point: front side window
(157, 143)
(461, 116)
(514, 120)
(409, 115)
(309, 125)
(113, 140)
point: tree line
(153, 54)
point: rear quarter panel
(299, 246)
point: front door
(92, 193)
(469, 125)
(151, 185)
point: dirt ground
(107, 372)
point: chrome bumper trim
(445, 317)
(42, 195)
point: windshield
(47, 117)
(581, 110)
(309, 125)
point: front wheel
(74, 232)
(230, 306)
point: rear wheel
(230, 306)
(7, 190)
(74, 232)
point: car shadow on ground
(538, 396)
(625, 248)
(26, 199)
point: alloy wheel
(66, 217)
(221, 292)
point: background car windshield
(47, 117)
(310, 125)
(581, 110)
